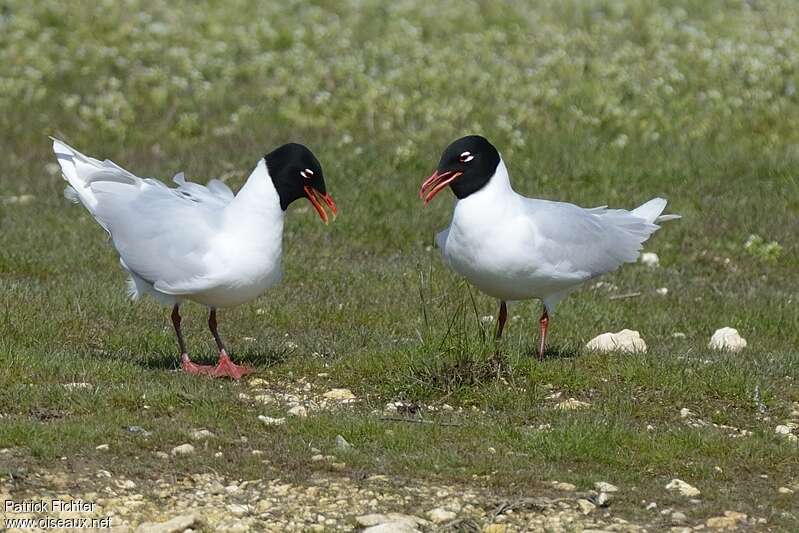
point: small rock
(782, 430)
(561, 485)
(730, 520)
(604, 486)
(650, 259)
(183, 449)
(626, 340)
(257, 382)
(238, 510)
(495, 528)
(727, 339)
(440, 516)
(652, 506)
(678, 518)
(678, 335)
(585, 506)
(174, 525)
(662, 291)
(102, 447)
(339, 394)
(342, 444)
(678, 485)
(572, 404)
(298, 411)
(269, 421)
(686, 413)
(162, 455)
(785, 490)
(202, 434)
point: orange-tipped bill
(316, 198)
(435, 183)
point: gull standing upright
(196, 242)
(516, 248)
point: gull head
(296, 173)
(466, 166)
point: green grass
(591, 102)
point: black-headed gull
(515, 248)
(196, 242)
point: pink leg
(185, 362)
(225, 367)
(544, 324)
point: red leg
(185, 362)
(225, 367)
(503, 316)
(544, 324)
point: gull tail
(651, 211)
(81, 171)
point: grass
(590, 102)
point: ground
(601, 102)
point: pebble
(604, 486)
(440, 515)
(269, 421)
(678, 335)
(177, 524)
(102, 447)
(572, 404)
(626, 340)
(238, 509)
(662, 291)
(678, 485)
(727, 339)
(342, 444)
(201, 434)
(650, 259)
(678, 518)
(730, 520)
(782, 430)
(585, 506)
(602, 499)
(183, 449)
(339, 394)
(298, 411)
(561, 485)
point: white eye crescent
(307, 173)
(466, 157)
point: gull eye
(465, 157)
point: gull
(516, 248)
(195, 242)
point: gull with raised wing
(515, 248)
(195, 242)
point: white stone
(602, 499)
(339, 394)
(686, 413)
(585, 506)
(650, 259)
(562, 485)
(678, 335)
(269, 421)
(625, 340)
(174, 525)
(727, 339)
(201, 434)
(183, 449)
(298, 411)
(238, 509)
(440, 516)
(342, 444)
(604, 486)
(785, 490)
(572, 404)
(102, 447)
(662, 291)
(678, 485)
(782, 430)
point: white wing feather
(161, 233)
